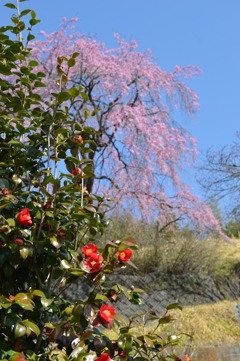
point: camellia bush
(48, 221)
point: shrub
(46, 215)
(174, 253)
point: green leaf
(74, 92)
(174, 305)
(19, 330)
(33, 63)
(11, 222)
(46, 302)
(129, 342)
(71, 62)
(16, 355)
(148, 341)
(120, 319)
(25, 12)
(65, 264)
(38, 293)
(4, 183)
(63, 97)
(122, 247)
(33, 14)
(101, 297)
(75, 55)
(84, 96)
(32, 326)
(30, 37)
(39, 84)
(24, 252)
(4, 69)
(11, 6)
(57, 243)
(34, 21)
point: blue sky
(204, 33)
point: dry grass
(173, 253)
(213, 324)
(229, 256)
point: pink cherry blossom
(141, 148)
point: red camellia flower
(94, 263)
(24, 217)
(19, 241)
(89, 249)
(125, 255)
(61, 233)
(106, 312)
(103, 357)
(77, 171)
(1, 244)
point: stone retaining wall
(163, 289)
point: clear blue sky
(204, 33)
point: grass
(178, 253)
(212, 324)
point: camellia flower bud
(67, 325)
(77, 171)
(47, 205)
(3, 229)
(19, 241)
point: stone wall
(162, 290)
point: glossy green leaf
(16, 179)
(33, 14)
(24, 12)
(74, 92)
(71, 62)
(84, 96)
(65, 264)
(19, 330)
(63, 97)
(174, 305)
(120, 319)
(75, 55)
(32, 326)
(11, 6)
(16, 355)
(38, 293)
(24, 252)
(11, 222)
(39, 84)
(57, 243)
(46, 302)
